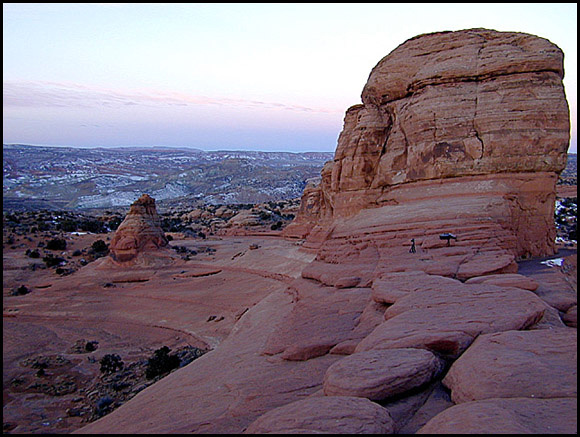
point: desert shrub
(110, 363)
(276, 226)
(12, 218)
(56, 244)
(20, 291)
(161, 362)
(265, 215)
(114, 223)
(103, 406)
(572, 234)
(43, 226)
(33, 253)
(100, 246)
(67, 225)
(180, 249)
(91, 346)
(93, 225)
(189, 353)
(50, 260)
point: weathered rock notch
(139, 232)
(480, 109)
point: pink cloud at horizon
(45, 93)
(56, 113)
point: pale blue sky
(222, 76)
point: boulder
(327, 414)
(381, 374)
(507, 416)
(570, 317)
(534, 364)
(347, 282)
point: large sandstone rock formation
(476, 117)
(139, 232)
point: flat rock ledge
(506, 280)
(325, 415)
(381, 374)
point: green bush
(100, 246)
(33, 253)
(20, 291)
(93, 225)
(56, 244)
(161, 363)
(50, 260)
(110, 363)
(104, 405)
(67, 225)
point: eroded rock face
(470, 104)
(140, 231)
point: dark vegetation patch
(91, 397)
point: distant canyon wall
(474, 114)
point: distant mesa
(139, 232)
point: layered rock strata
(474, 113)
(139, 232)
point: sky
(218, 76)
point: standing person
(412, 249)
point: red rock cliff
(454, 115)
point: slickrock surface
(459, 132)
(321, 318)
(139, 232)
(132, 311)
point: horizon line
(163, 147)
